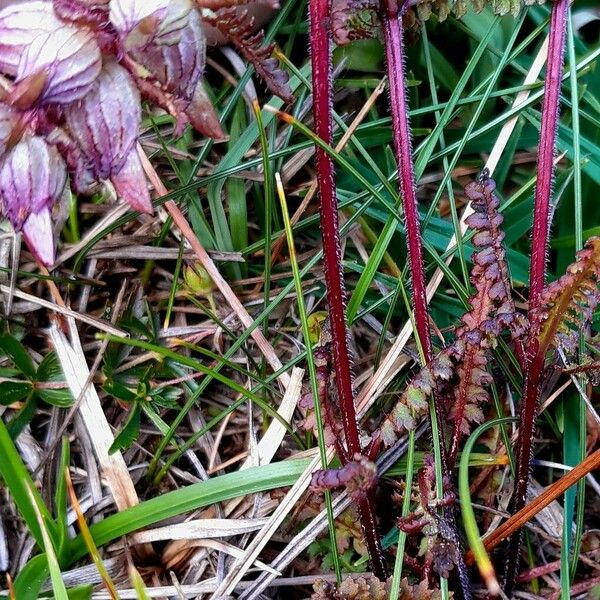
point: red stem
(319, 13)
(539, 249)
(547, 144)
(394, 48)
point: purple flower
(20, 24)
(89, 12)
(64, 62)
(140, 22)
(32, 179)
(105, 125)
(179, 68)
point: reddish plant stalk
(539, 249)
(546, 148)
(319, 13)
(391, 17)
(394, 48)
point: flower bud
(32, 179)
(197, 280)
(69, 58)
(19, 25)
(105, 125)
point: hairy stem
(394, 48)
(547, 144)
(391, 17)
(539, 249)
(319, 13)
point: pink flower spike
(130, 183)
(38, 234)
(71, 60)
(20, 24)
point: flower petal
(32, 177)
(38, 234)
(20, 24)
(178, 66)
(83, 12)
(105, 124)
(71, 59)
(130, 183)
(140, 22)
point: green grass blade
(198, 495)
(311, 366)
(575, 425)
(466, 506)
(22, 488)
(58, 585)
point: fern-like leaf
(358, 19)
(492, 310)
(567, 304)
(414, 401)
(238, 28)
(458, 372)
(353, 20)
(443, 8)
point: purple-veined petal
(69, 57)
(105, 124)
(89, 12)
(32, 178)
(178, 67)
(39, 236)
(140, 22)
(20, 24)
(131, 185)
(126, 14)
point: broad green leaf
(14, 391)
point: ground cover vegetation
(301, 311)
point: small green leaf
(13, 391)
(12, 348)
(130, 430)
(315, 325)
(119, 391)
(50, 371)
